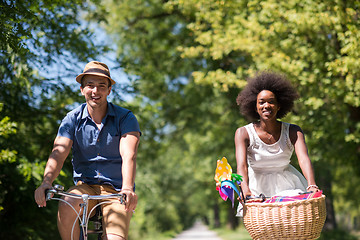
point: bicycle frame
(84, 219)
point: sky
(65, 71)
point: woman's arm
(298, 140)
(241, 144)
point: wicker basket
(303, 219)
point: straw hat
(96, 68)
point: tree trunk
(323, 175)
(216, 215)
(233, 221)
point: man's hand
(39, 194)
(131, 199)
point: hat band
(97, 70)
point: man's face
(95, 89)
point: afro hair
(267, 80)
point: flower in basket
(227, 182)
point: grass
(156, 236)
(241, 234)
(339, 234)
(228, 234)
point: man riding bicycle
(104, 139)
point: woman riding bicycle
(264, 147)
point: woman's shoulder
(293, 132)
(244, 129)
(242, 132)
(294, 127)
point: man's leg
(113, 237)
(116, 220)
(67, 216)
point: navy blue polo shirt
(96, 153)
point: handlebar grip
(261, 197)
(49, 193)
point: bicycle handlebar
(84, 219)
(58, 189)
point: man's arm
(61, 149)
(128, 149)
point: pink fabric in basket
(293, 198)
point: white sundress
(269, 168)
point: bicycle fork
(84, 205)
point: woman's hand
(246, 190)
(313, 188)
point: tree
(41, 44)
(314, 45)
(191, 58)
(6, 155)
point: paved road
(198, 232)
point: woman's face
(267, 105)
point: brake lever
(123, 199)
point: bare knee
(66, 219)
(68, 212)
(113, 237)
(71, 206)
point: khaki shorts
(116, 220)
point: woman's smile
(266, 104)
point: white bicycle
(84, 218)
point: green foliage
(337, 235)
(41, 43)
(6, 156)
(6, 128)
(189, 60)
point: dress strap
(249, 128)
